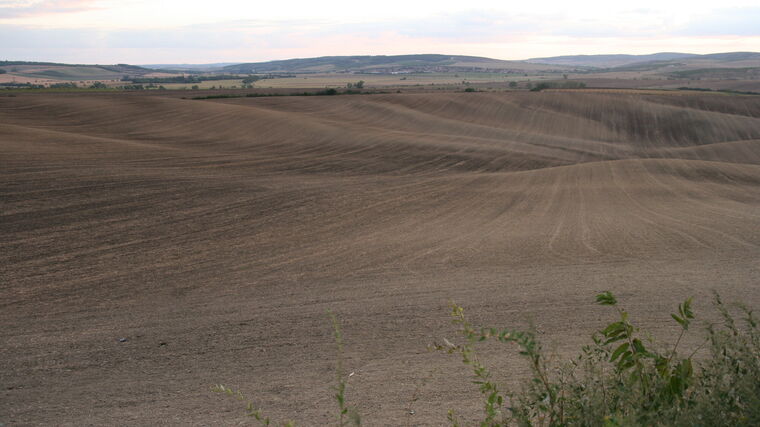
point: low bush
(621, 378)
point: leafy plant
(621, 378)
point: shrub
(621, 378)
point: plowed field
(213, 235)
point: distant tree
(2, 71)
(513, 84)
(359, 84)
(98, 85)
(349, 85)
(195, 87)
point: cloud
(496, 33)
(725, 22)
(27, 8)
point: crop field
(411, 79)
(208, 84)
(154, 246)
(62, 73)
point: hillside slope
(384, 63)
(213, 235)
(663, 59)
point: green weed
(622, 377)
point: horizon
(138, 32)
(382, 54)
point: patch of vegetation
(198, 78)
(621, 378)
(645, 66)
(30, 63)
(729, 91)
(558, 85)
(326, 92)
(21, 86)
(63, 86)
(718, 73)
(181, 79)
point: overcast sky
(174, 31)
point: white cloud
(170, 31)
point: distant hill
(608, 61)
(190, 67)
(654, 61)
(732, 56)
(383, 63)
(738, 66)
(38, 72)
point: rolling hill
(41, 72)
(153, 246)
(608, 61)
(383, 63)
(657, 60)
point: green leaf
(680, 321)
(613, 329)
(687, 309)
(639, 347)
(622, 348)
(606, 298)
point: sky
(212, 31)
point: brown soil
(215, 234)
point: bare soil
(213, 236)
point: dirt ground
(154, 246)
